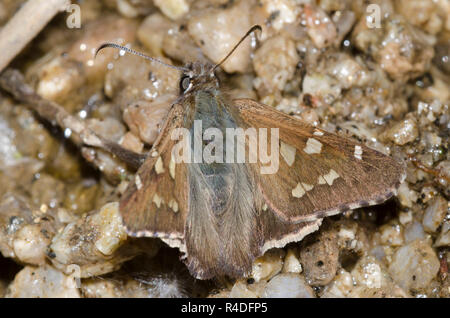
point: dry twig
(25, 25)
(13, 82)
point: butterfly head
(198, 75)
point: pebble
(132, 142)
(414, 266)
(414, 231)
(30, 244)
(371, 279)
(369, 273)
(392, 234)
(93, 243)
(61, 78)
(274, 63)
(216, 32)
(47, 190)
(444, 236)
(405, 217)
(110, 128)
(145, 119)
(241, 289)
(110, 227)
(348, 72)
(288, 285)
(321, 85)
(406, 195)
(435, 214)
(152, 31)
(404, 131)
(279, 12)
(268, 265)
(320, 27)
(173, 9)
(291, 262)
(42, 282)
(340, 287)
(319, 255)
(132, 79)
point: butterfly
(223, 215)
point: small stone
(173, 9)
(268, 265)
(278, 12)
(47, 190)
(319, 255)
(274, 64)
(80, 197)
(348, 72)
(131, 142)
(109, 128)
(30, 244)
(217, 31)
(405, 217)
(42, 282)
(413, 232)
(92, 243)
(435, 214)
(404, 131)
(371, 279)
(368, 272)
(151, 32)
(111, 229)
(444, 237)
(321, 85)
(392, 234)
(414, 266)
(241, 289)
(288, 285)
(340, 287)
(406, 196)
(320, 27)
(145, 119)
(291, 262)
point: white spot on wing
(138, 182)
(298, 191)
(307, 187)
(318, 133)
(157, 200)
(358, 152)
(172, 167)
(264, 207)
(330, 177)
(159, 167)
(321, 180)
(173, 205)
(313, 146)
(288, 153)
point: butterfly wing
(155, 202)
(320, 174)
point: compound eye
(184, 83)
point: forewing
(320, 174)
(155, 202)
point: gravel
(319, 61)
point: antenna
(117, 46)
(252, 29)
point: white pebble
(288, 285)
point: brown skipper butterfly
(223, 209)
